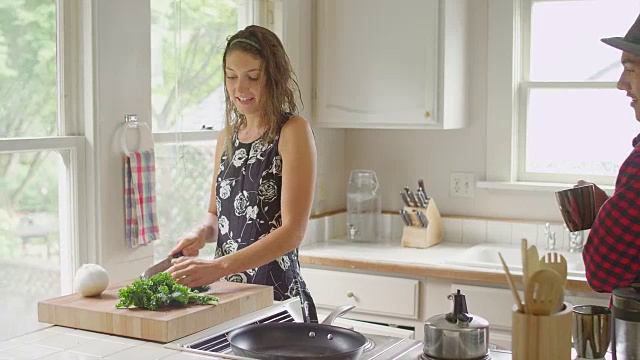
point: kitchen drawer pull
(350, 294)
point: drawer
(374, 294)
(492, 304)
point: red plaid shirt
(612, 251)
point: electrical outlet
(462, 185)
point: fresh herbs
(161, 290)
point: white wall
(401, 157)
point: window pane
(567, 136)
(564, 50)
(28, 69)
(29, 237)
(184, 173)
(187, 41)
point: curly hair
(280, 84)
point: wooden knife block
(416, 236)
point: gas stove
(213, 341)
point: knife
(403, 215)
(161, 266)
(412, 199)
(423, 219)
(421, 186)
(422, 197)
(404, 199)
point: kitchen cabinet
(391, 64)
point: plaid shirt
(612, 251)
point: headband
(246, 41)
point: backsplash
(456, 230)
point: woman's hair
(279, 84)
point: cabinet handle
(350, 294)
(427, 114)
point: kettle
(626, 314)
(456, 335)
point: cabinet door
(377, 63)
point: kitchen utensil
(591, 331)
(405, 201)
(161, 266)
(405, 217)
(423, 219)
(298, 340)
(533, 261)
(456, 335)
(626, 314)
(577, 207)
(426, 229)
(421, 186)
(555, 262)
(100, 314)
(525, 265)
(412, 199)
(543, 292)
(512, 284)
(422, 198)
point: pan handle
(337, 312)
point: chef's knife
(421, 186)
(161, 266)
(403, 196)
(403, 215)
(422, 197)
(412, 199)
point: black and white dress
(248, 194)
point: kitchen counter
(395, 259)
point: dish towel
(140, 198)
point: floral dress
(248, 192)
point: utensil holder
(539, 337)
(416, 236)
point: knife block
(416, 236)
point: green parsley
(161, 290)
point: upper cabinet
(385, 64)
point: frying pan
(298, 340)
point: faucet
(551, 237)
(576, 241)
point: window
(188, 38)
(39, 162)
(559, 107)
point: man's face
(630, 80)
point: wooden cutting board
(164, 325)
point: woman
(262, 192)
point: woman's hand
(193, 272)
(191, 243)
(600, 195)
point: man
(612, 251)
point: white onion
(91, 280)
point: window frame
(509, 24)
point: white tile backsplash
(474, 231)
(456, 230)
(499, 232)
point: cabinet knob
(427, 114)
(350, 294)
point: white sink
(486, 256)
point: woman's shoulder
(294, 125)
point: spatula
(555, 262)
(543, 293)
(533, 262)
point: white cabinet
(391, 64)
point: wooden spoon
(543, 293)
(533, 261)
(512, 285)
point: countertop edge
(435, 271)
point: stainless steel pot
(458, 334)
(626, 313)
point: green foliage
(158, 291)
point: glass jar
(363, 206)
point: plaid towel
(140, 199)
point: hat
(630, 42)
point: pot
(298, 340)
(458, 334)
(626, 327)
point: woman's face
(244, 81)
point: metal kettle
(626, 314)
(456, 335)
